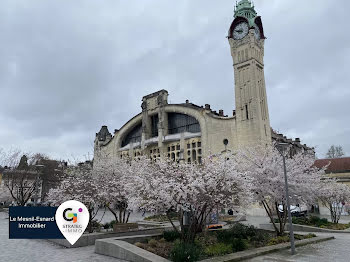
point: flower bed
(319, 222)
(213, 243)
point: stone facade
(190, 132)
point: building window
(133, 136)
(154, 122)
(179, 123)
(246, 112)
(194, 155)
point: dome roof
(245, 8)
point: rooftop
(336, 165)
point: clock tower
(246, 38)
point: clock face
(240, 31)
(257, 33)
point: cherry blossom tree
(78, 184)
(264, 166)
(333, 196)
(164, 186)
(112, 176)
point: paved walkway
(23, 250)
(337, 250)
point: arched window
(133, 136)
(178, 123)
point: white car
(298, 210)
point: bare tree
(22, 182)
(22, 185)
(335, 152)
(10, 158)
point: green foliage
(310, 235)
(171, 236)
(319, 222)
(185, 252)
(111, 224)
(96, 225)
(107, 225)
(239, 231)
(239, 244)
(218, 249)
(278, 240)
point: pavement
(23, 250)
(336, 250)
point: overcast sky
(68, 67)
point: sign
(33, 223)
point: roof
(102, 135)
(281, 138)
(336, 165)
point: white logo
(72, 218)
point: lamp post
(281, 149)
(37, 183)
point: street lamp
(281, 149)
(37, 183)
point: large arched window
(133, 136)
(178, 123)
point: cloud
(67, 67)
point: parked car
(296, 211)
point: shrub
(236, 231)
(310, 235)
(300, 220)
(278, 240)
(106, 225)
(185, 252)
(318, 221)
(139, 244)
(96, 225)
(171, 236)
(238, 244)
(218, 249)
(259, 237)
(152, 242)
(111, 224)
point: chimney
(221, 112)
(187, 101)
(207, 106)
(297, 139)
